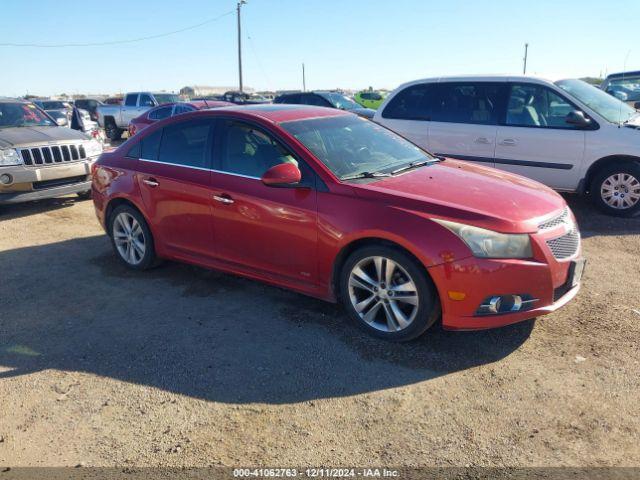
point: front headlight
(92, 148)
(9, 156)
(489, 244)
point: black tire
(86, 195)
(148, 259)
(602, 179)
(428, 309)
(111, 130)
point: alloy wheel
(129, 238)
(383, 294)
(620, 191)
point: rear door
(464, 120)
(174, 178)
(536, 141)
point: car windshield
(166, 98)
(338, 100)
(350, 145)
(23, 115)
(53, 105)
(612, 109)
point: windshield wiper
(365, 175)
(416, 164)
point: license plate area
(576, 269)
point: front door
(536, 141)
(270, 230)
(174, 178)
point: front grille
(58, 182)
(51, 155)
(565, 246)
(555, 221)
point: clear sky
(344, 43)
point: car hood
(23, 136)
(468, 193)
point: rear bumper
(18, 197)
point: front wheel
(112, 131)
(616, 189)
(388, 294)
(131, 238)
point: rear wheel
(616, 189)
(112, 131)
(388, 294)
(86, 195)
(131, 238)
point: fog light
(505, 304)
(6, 179)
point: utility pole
(240, 3)
(304, 81)
(526, 51)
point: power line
(116, 42)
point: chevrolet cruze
(334, 206)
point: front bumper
(36, 183)
(473, 280)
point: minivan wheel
(388, 294)
(616, 189)
(131, 238)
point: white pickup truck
(115, 118)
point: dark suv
(321, 98)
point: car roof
(623, 74)
(13, 100)
(280, 113)
(481, 78)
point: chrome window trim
(199, 168)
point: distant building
(203, 90)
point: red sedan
(167, 110)
(334, 206)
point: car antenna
(624, 69)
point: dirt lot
(186, 367)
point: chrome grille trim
(565, 246)
(555, 221)
(52, 154)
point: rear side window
(313, 99)
(477, 103)
(160, 113)
(187, 143)
(182, 109)
(151, 145)
(288, 99)
(412, 103)
(131, 100)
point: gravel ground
(181, 366)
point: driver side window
(249, 151)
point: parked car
(113, 101)
(59, 110)
(90, 105)
(115, 118)
(624, 86)
(335, 206)
(169, 110)
(568, 135)
(369, 99)
(328, 99)
(243, 98)
(39, 159)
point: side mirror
(281, 175)
(61, 121)
(577, 118)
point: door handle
(152, 182)
(226, 199)
(508, 142)
(483, 141)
